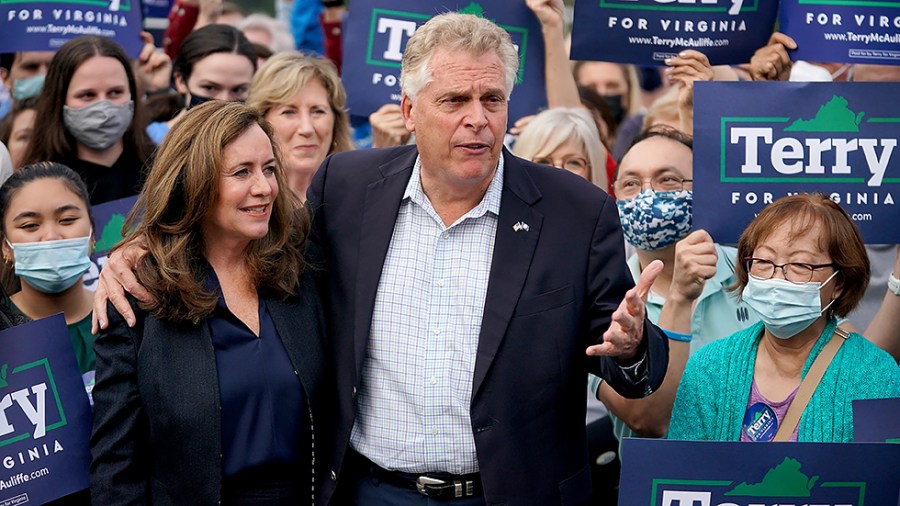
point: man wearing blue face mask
(688, 300)
(22, 75)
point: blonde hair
(282, 77)
(463, 32)
(554, 127)
(663, 108)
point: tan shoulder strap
(809, 384)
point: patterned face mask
(656, 220)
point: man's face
(28, 64)
(459, 118)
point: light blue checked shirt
(412, 408)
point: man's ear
(406, 108)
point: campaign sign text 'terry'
(757, 142)
(376, 33)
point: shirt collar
(490, 202)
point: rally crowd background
(104, 117)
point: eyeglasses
(629, 187)
(794, 272)
(574, 164)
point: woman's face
(219, 76)
(246, 193)
(20, 136)
(569, 155)
(98, 78)
(787, 244)
(304, 130)
(45, 210)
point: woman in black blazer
(217, 394)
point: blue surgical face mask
(784, 307)
(656, 220)
(27, 88)
(52, 266)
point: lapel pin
(519, 226)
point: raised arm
(772, 62)
(883, 328)
(686, 68)
(559, 81)
(695, 262)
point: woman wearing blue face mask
(803, 267)
(88, 118)
(47, 236)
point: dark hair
(17, 108)
(209, 40)
(7, 60)
(42, 170)
(55, 142)
(262, 52)
(839, 238)
(664, 131)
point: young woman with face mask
(88, 118)
(803, 265)
(215, 62)
(47, 237)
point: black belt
(435, 485)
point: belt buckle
(422, 483)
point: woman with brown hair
(303, 99)
(89, 118)
(216, 395)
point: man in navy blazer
(555, 276)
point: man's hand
(116, 278)
(695, 262)
(627, 328)
(772, 63)
(388, 127)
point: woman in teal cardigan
(803, 266)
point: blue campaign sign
(876, 420)
(45, 26)
(376, 33)
(646, 32)
(109, 218)
(156, 8)
(45, 418)
(851, 31)
(757, 142)
(692, 473)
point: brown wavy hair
(180, 191)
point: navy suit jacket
(157, 418)
(551, 293)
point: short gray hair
(553, 128)
(472, 34)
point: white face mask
(784, 307)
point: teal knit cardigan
(714, 391)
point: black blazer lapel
(380, 211)
(297, 323)
(513, 250)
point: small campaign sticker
(760, 422)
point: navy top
(264, 408)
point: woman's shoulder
(866, 354)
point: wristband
(894, 284)
(677, 336)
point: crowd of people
(294, 318)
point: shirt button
(441, 282)
(433, 381)
(434, 431)
(437, 332)
(445, 235)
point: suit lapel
(380, 211)
(297, 324)
(513, 250)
